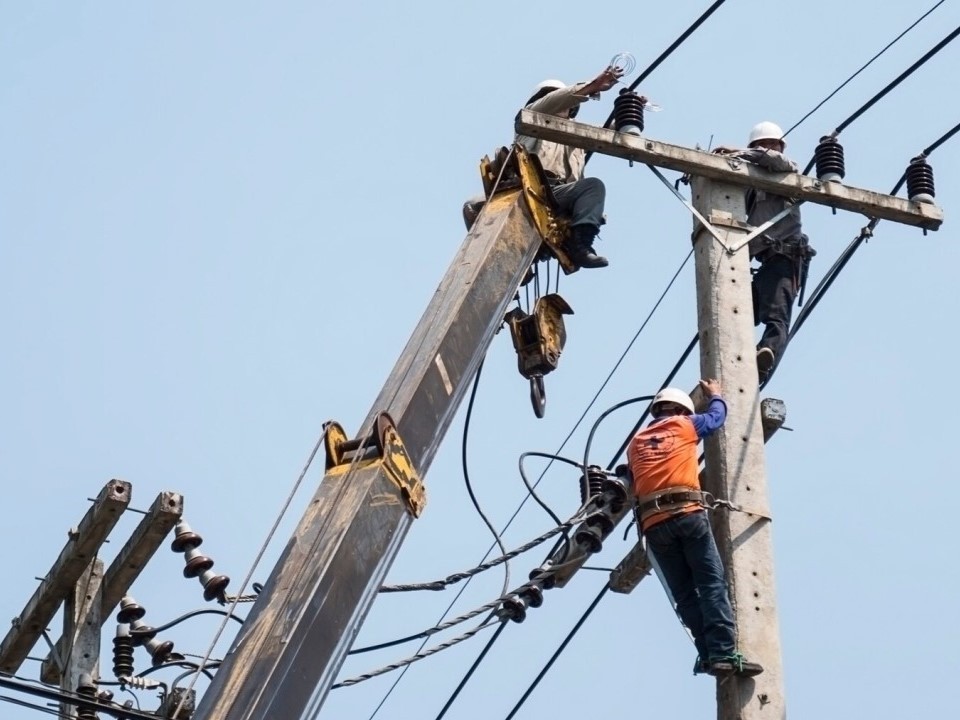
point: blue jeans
(687, 556)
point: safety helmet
(765, 130)
(545, 88)
(673, 395)
(552, 84)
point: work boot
(765, 360)
(734, 665)
(580, 247)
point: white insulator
(141, 683)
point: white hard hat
(765, 130)
(552, 84)
(673, 395)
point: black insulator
(197, 564)
(515, 609)
(130, 610)
(88, 689)
(185, 538)
(214, 585)
(105, 696)
(829, 158)
(160, 651)
(590, 537)
(543, 577)
(603, 522)
(615, 493)
(123, 654)
(593, 485)
(920, 180)
(532, 595)
(628, 112)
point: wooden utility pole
(734, 456)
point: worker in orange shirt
(665, 467)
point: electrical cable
(466, 574)
(497, 539)
(259, 557)
(205, 611)
(559, 651)
(419, 655)
(663, 56)
(831, 275)
(469, 674)
(563, 444)
(63, 696)
(532, 490)
(814, 299)
(195, 668)
(890, 86)
(32, 706)
(863, 67)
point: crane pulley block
(538, 339)
(382, 447)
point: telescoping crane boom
(295, 639)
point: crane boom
(294, 641)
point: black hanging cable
(663, 56)
(205, 611)
(863, 67)
(890, 86)
(498, 540)
(476, 664)
(559, 651)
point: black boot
(580, 247)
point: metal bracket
(696, 213)
(385, 448)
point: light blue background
(220, 221)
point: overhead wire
(656, 63)
(563, 444)
(865, 233)
(863, 67)
(890, 86)
(469, 673)
(808, 308)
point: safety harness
(672, 500)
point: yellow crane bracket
(383, 447)
(509, 170)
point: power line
(663, 56)
(476, 664)
(890, 86)
(867, 232)
(863, 67)
(559, 651)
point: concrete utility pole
(734, 456)
(82, 621)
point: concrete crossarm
(727, 169)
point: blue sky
(219, 222)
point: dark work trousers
(687, 556)
(774, 290)
(582, 201)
